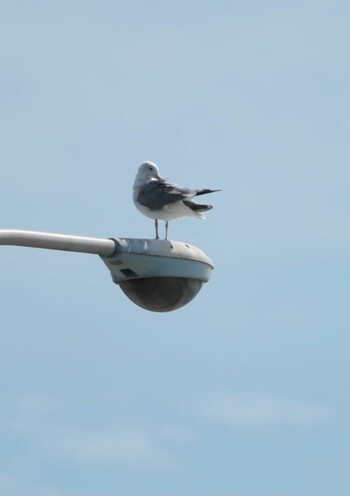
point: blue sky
(244, 392)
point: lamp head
(158, 275)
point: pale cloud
(37, 404)
(255, 410)
(6, 483)
(15, 486)
(37, 420)
(133, 446)
(177, 434)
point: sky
(244, 391)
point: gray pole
(51, 241)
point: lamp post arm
(51, 241)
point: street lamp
(157, 275)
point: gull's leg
(156, 225)
(166, 229)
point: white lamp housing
(158, 275)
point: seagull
(159, 199)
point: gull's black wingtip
(206, 191)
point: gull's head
(148, 171)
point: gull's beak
(157, 176)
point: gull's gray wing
(155, 194)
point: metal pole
(51, 241)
